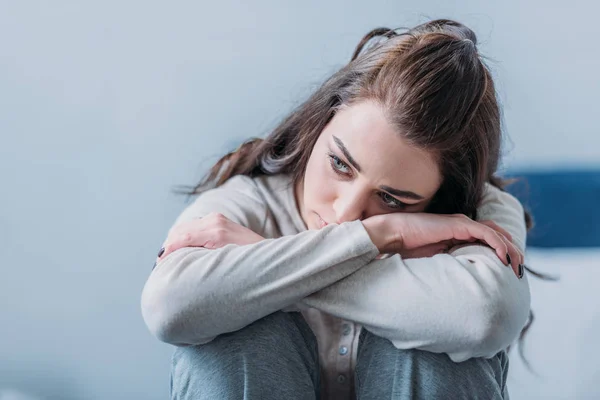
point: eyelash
(333, 159)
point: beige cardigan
(466, 303)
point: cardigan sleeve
(195, 294)
(466, 303)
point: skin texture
(385, 160)
(359, 183)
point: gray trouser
(276, 358)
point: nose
(350, 205)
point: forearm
(195, 294)
(466, 305)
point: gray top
(466, 303)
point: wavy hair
(433, 86)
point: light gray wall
(105, 106)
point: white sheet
(563, 345)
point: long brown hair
(433, 86)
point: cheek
(327, 191)
(320, 186)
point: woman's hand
(212, 232)
(424, 235)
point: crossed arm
(465, 303)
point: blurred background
(106, 106)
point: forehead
(384, 156)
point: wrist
(378, 232)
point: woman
(374, 211)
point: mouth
(321, 222)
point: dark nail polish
(508, 259)
(162, 250)
(521, 270)
(154, 265)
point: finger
(169, 246)
(491, 238)
(497, 227)
(185, 239)
(501, 248)
(517, 259)
(505, 249)
(520, 257)
(514, 255)
(185, 233)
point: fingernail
(521, 270)
(162, 250)
(507, 259)
(154, 265)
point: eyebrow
(344, 150)
(402, 193)
(396, 192)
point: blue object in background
(564, 205)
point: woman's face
(361, 167)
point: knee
(270, 336)
(431, 373)
(371, 346)
(279, 345)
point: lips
(321, 222)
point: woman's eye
(392, 202)
(338, 165)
